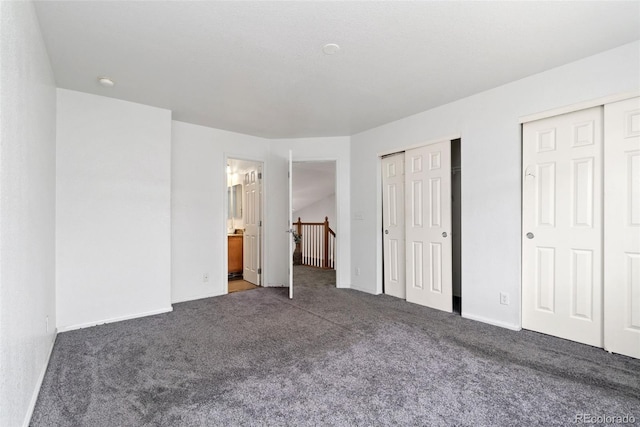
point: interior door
(393, 225)
(252, 225)
(622, 227)
(291, 239)
(428, 226)
(562, 226)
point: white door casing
(622, 227)
(562, 226)
(252, 224)
(393, 218)
(428, 226)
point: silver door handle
(530, 235)
(386, 231)
(444, 234)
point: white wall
(198, 203)
(199, 192)
(316, 212)
(312, 149)
(113, 210)
(27, 211)
(491, 159)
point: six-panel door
(252, 191)
(622, 227)
(428, 226)
(562, 226)
(393, 219)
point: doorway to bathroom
(244, 224)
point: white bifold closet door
(428, 226)
(393, 225)
(622, 227)
(562, 226)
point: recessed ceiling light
(330, 48)
(106, 82)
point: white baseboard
(492, 322)
(36, 390)
(115, 319)
(365, 290)
(196, 297)
(276, 285)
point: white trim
(36, 390)
(365, 290)
(116, 319)
(578, 106)
(482, 319)
(197, 297)
(450, 137)
(276, 285)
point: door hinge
(259, 223)
(259, 271)
(259, 175)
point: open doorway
(421, 225)
(456, 225)
(244, 225)
(314, 222)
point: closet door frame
(379, 221)
(379, 200)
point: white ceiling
(257, 67)
(312, 182)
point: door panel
(393, 225)
(428, 231)
(562, 225)
(290, 219)
(252, 218)
(622, 227)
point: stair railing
(318, 244)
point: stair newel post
(297, 253)
(325, 262)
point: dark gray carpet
(304, 275)
(329, 357)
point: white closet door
(251, 246)
(562, 226)
(393, 223)
(622, 227)
(428, 226)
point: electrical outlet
(358, 271)
(504, 298)
(205, 277)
